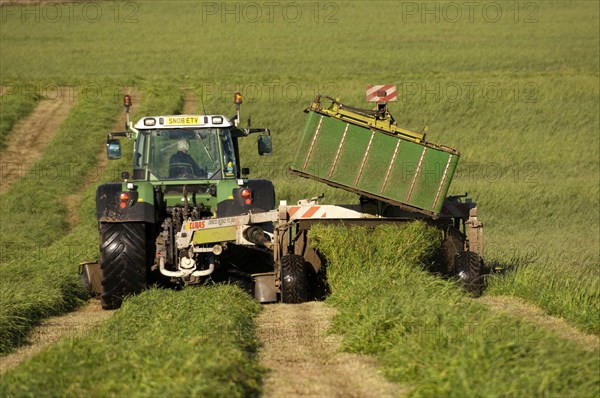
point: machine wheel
(452, 244)
(122, 261)
(84, 279)
(294, 287)
(89, 276)
(469, 272)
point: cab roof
(183, 121)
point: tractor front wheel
(294, 286)
(122, 261)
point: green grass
(13, 107)
(568, 288)
(530, 154)
(194, 342)
(427, 334)
(47, 283)
(32, 212)
(344, 47)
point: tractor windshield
(189, 154)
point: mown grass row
(43, 281)
(517, 98)
(527, 130)
(14, 107)
(569, 288)
(194, 342)
(427, 334)
(33, 213)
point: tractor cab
(190, 152)
(190, 162)
(186, 147)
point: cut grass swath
(47, 283)
(32, 211)
(194, 342)
(569, 289)
(427, 333)
(13, 107)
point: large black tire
(294, 287)
(469, 272)
(452, 244)
(123, 262)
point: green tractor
(189, 215)
(185, 171)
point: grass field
(48, 284)
(514, 86)
(428, 334)
(202, 344)
(58, 173)
(13, 109)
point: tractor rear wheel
(294, 286)
(469, 272)
(122, 261)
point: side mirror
(113, 149)
(265, 145)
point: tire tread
(294, 286)
(122, 261)
(471, 265)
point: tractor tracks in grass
(30, 136)
(85, 318)
(73, 201)
(529, 312)
(190, 102)
(305, 361)
(71, 325)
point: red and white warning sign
(323, 211)
(297, 212)
(382, 93)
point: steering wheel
(181, 170)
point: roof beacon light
(237, 98)
(127, 105)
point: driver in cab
(182, 165)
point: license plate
(182, 120)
